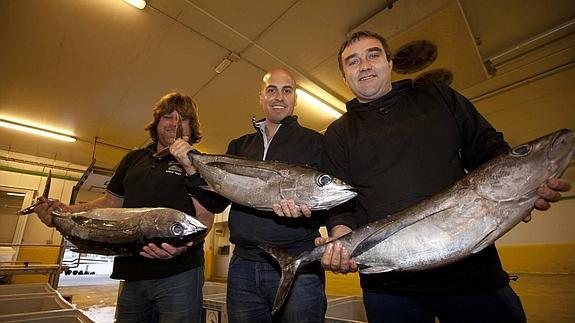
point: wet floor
(545, 297)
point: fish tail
(30, 209)
(289, 266)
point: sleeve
(212, 201)
(316, 151)
(334, 162)
(116, 184)
(480, 141)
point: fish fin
(207, 188)
(289, 267)
(162, 153)
(376, 270)
(99, 224)
(48, 184)
(253, 172)
(389, 227)
(486, 241)
(30, 209)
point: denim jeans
(499, 305)
(176, 298)
(252, 288)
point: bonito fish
(124, 231)
(460, 221)
(259, 184)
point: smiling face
(167, 129)
(277, 95)
(366, 69)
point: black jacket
(293, 144)
(401, 149)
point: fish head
(187, 226)
(526, 167)
(160, 225)
(324, 191)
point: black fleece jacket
(403, 148)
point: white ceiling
(96, 67)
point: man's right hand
(335, 257)
(45, 208)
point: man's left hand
(288, 208)
(165, 251)
(549, 193)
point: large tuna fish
(124, 231)
(460, 221)
(259, 184)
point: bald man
(253, 276)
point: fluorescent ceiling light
(15, 194)
(302, 94)
(140, 4)
(35, 130)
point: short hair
(360, 35)
(187, 109)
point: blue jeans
(176, 298)
(252, 288)
(499, 305)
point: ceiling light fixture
(15, 194)
(35, 130)
(318, 103)
(140, 4)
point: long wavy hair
(187, 109)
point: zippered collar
(260, 124)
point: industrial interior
(91, 70)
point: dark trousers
(499, 305)
(252, 288)
(176, 298)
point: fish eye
(323, 180)
(521, 150)
(177, 229)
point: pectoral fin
(376, 270)
(394, 224)
(106, 225)
(249, 171)
(486, 241)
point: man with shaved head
(253, 277)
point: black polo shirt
(146, 181)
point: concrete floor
(545, 297)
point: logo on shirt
(175, 168)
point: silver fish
(123, 231)
(460, 221)
(259, 184)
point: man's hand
(288, 208)
(166, 251)
(549, 193)
(45, 208)
(179, 149)
(336, 257)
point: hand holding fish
(179, 149)
(549, 193)
(288, 208)
(164, 251)
(45, 208)
(336, 258)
